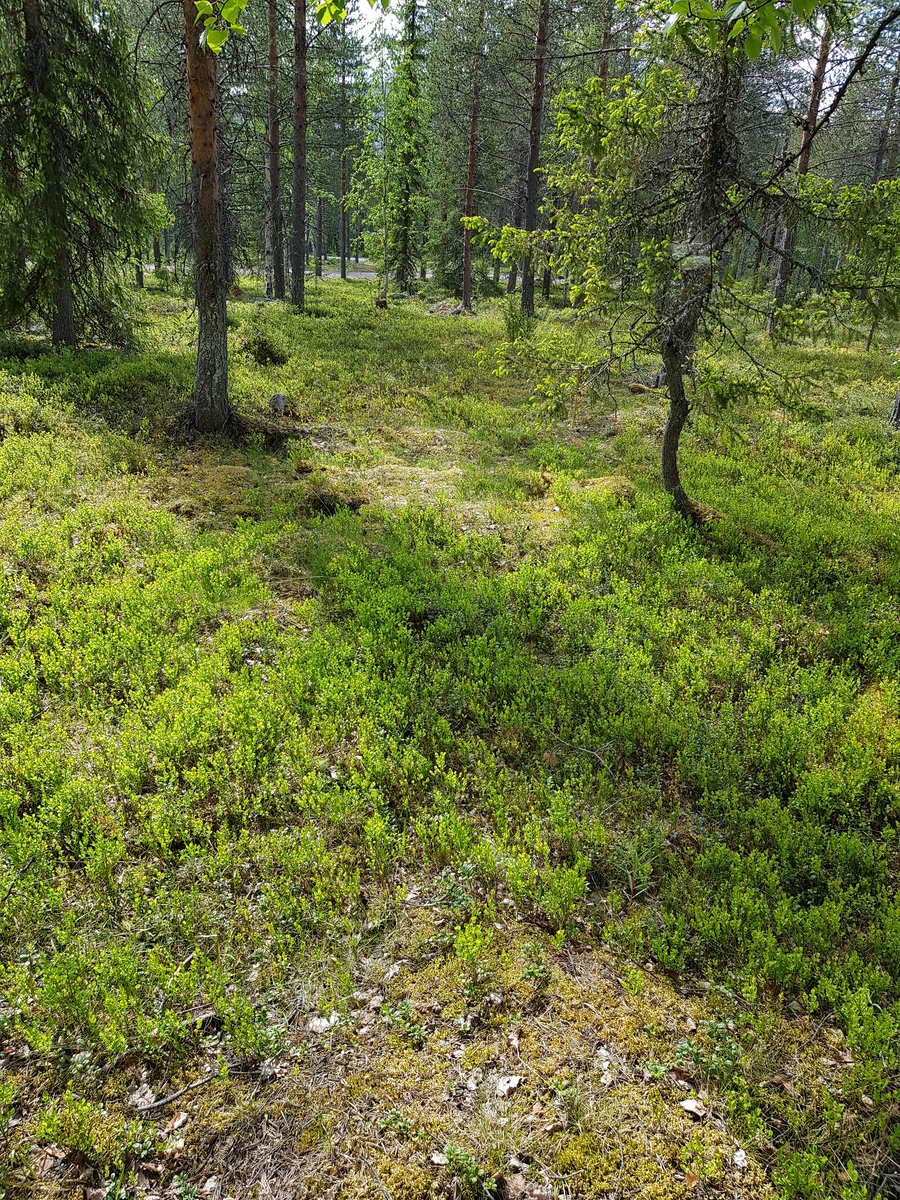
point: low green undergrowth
(511, 672)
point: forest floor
(399, 801)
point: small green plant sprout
(396, 1121)
(184, 1189)
(403, 1018)
(669, 946)
(799, 1175)
(714, 1051)
(536, 968)
(854, 1188)
(635, 858)
(633, 982)
(471, 1178)
(471, 945)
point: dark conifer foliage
(75, 152)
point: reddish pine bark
(211, 408)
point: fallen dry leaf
(515, 1186)
(783, 1082)
(439, 1159)
(180, 1118)
(324, 1024)
(49, 1159)
(141, 1097)
(690, 1179)
(507, 1084)
(693, 1106)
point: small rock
(277, 403)
(439, 1159)
(740, 1160)
(376, 1002)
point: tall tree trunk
(893, 148)
(470, 173)
(166, 244)
(298, 198)
(211, 380)
(157, 254)
(895, 411)
(318, 236)
(532, 179)
(762, 243)
(269, 234)
(673, 357)
(682, 307)
(545, 283)
(606, 39)
(342, 214)
(139, 268)
(343, 218)
(884, 134)
(274, 156)
(36, 63)
(789, 236)
(516, 221)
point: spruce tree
(73, 134)
(406, 163)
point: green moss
(588, 1165)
